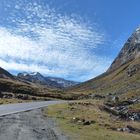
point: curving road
(21, 107)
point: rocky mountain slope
(5, 74)
(36, 77)
(129, 52)
(123, 76)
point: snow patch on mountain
(36, 77)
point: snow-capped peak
(34, 73)
(24, 73)
(36, 77)
(138, 29)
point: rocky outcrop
(123, 109)
(129, 52)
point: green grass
(136, 106)
(9, 101)
(97, 131)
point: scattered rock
(132, 70)
(132, 129)
(82, 121)
(122, 109)
(80, 103)
(86, 122)
(74, 119)
(110, 110)
(125, 129)
(128, 129)
(96, 96)
(115, 99)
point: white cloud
(50, 43)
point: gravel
(29, 125)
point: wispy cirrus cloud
(41, 39)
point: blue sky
(75, 39)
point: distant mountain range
(36, 77)
(33, 86)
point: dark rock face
(129, 52)
(5, 74)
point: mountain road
(25, 121)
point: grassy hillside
(124, 80)
(84, 120)
(12, 88)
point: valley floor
(84, 120)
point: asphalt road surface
(25, 121)
(20, 107)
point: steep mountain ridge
(123, 76)
(5, 74)
(129, 52)
(34, 77)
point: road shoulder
(29, 125)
